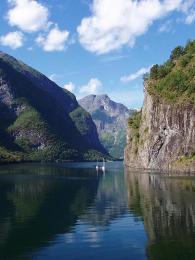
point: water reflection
(166, 203)
(111, 199)
(52, 212)
(34, 210)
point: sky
(96, 46)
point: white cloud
(113, 58)
(92, 87)
(166, 27)
(187, 5)
(28, 15)
(54, 77)
(190, 17)
(54, 41)
(135, 75)
(69, 86)
(188, 8)
(112, 26)
(13, 39)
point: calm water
(71, 212)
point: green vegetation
(174, 81)
(107, 139)
(81, 119)
(42, 121)
(114, 144)
(134, 124)
(187, 159)
(184, 162)
(7, 156)
(25, 119)
(93, 155)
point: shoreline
(159, 171)
(53, 162)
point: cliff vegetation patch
(174, 81)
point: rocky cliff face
(111, 121)
(166, 133)
(162, 135)
(41, 121)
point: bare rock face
(166, 135)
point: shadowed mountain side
(41, 121)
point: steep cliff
(111, 121)
(41, 121)
(162, 135)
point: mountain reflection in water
(71, 212)
(166, 203)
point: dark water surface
(71, 212)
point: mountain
(41, 121)
(111, 121)
(162, 135)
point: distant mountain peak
(111, 121)
(94, 102)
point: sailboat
(103, 166)
(97, 166)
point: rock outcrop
(166, 133)
(162, 135)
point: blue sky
(96, 46)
